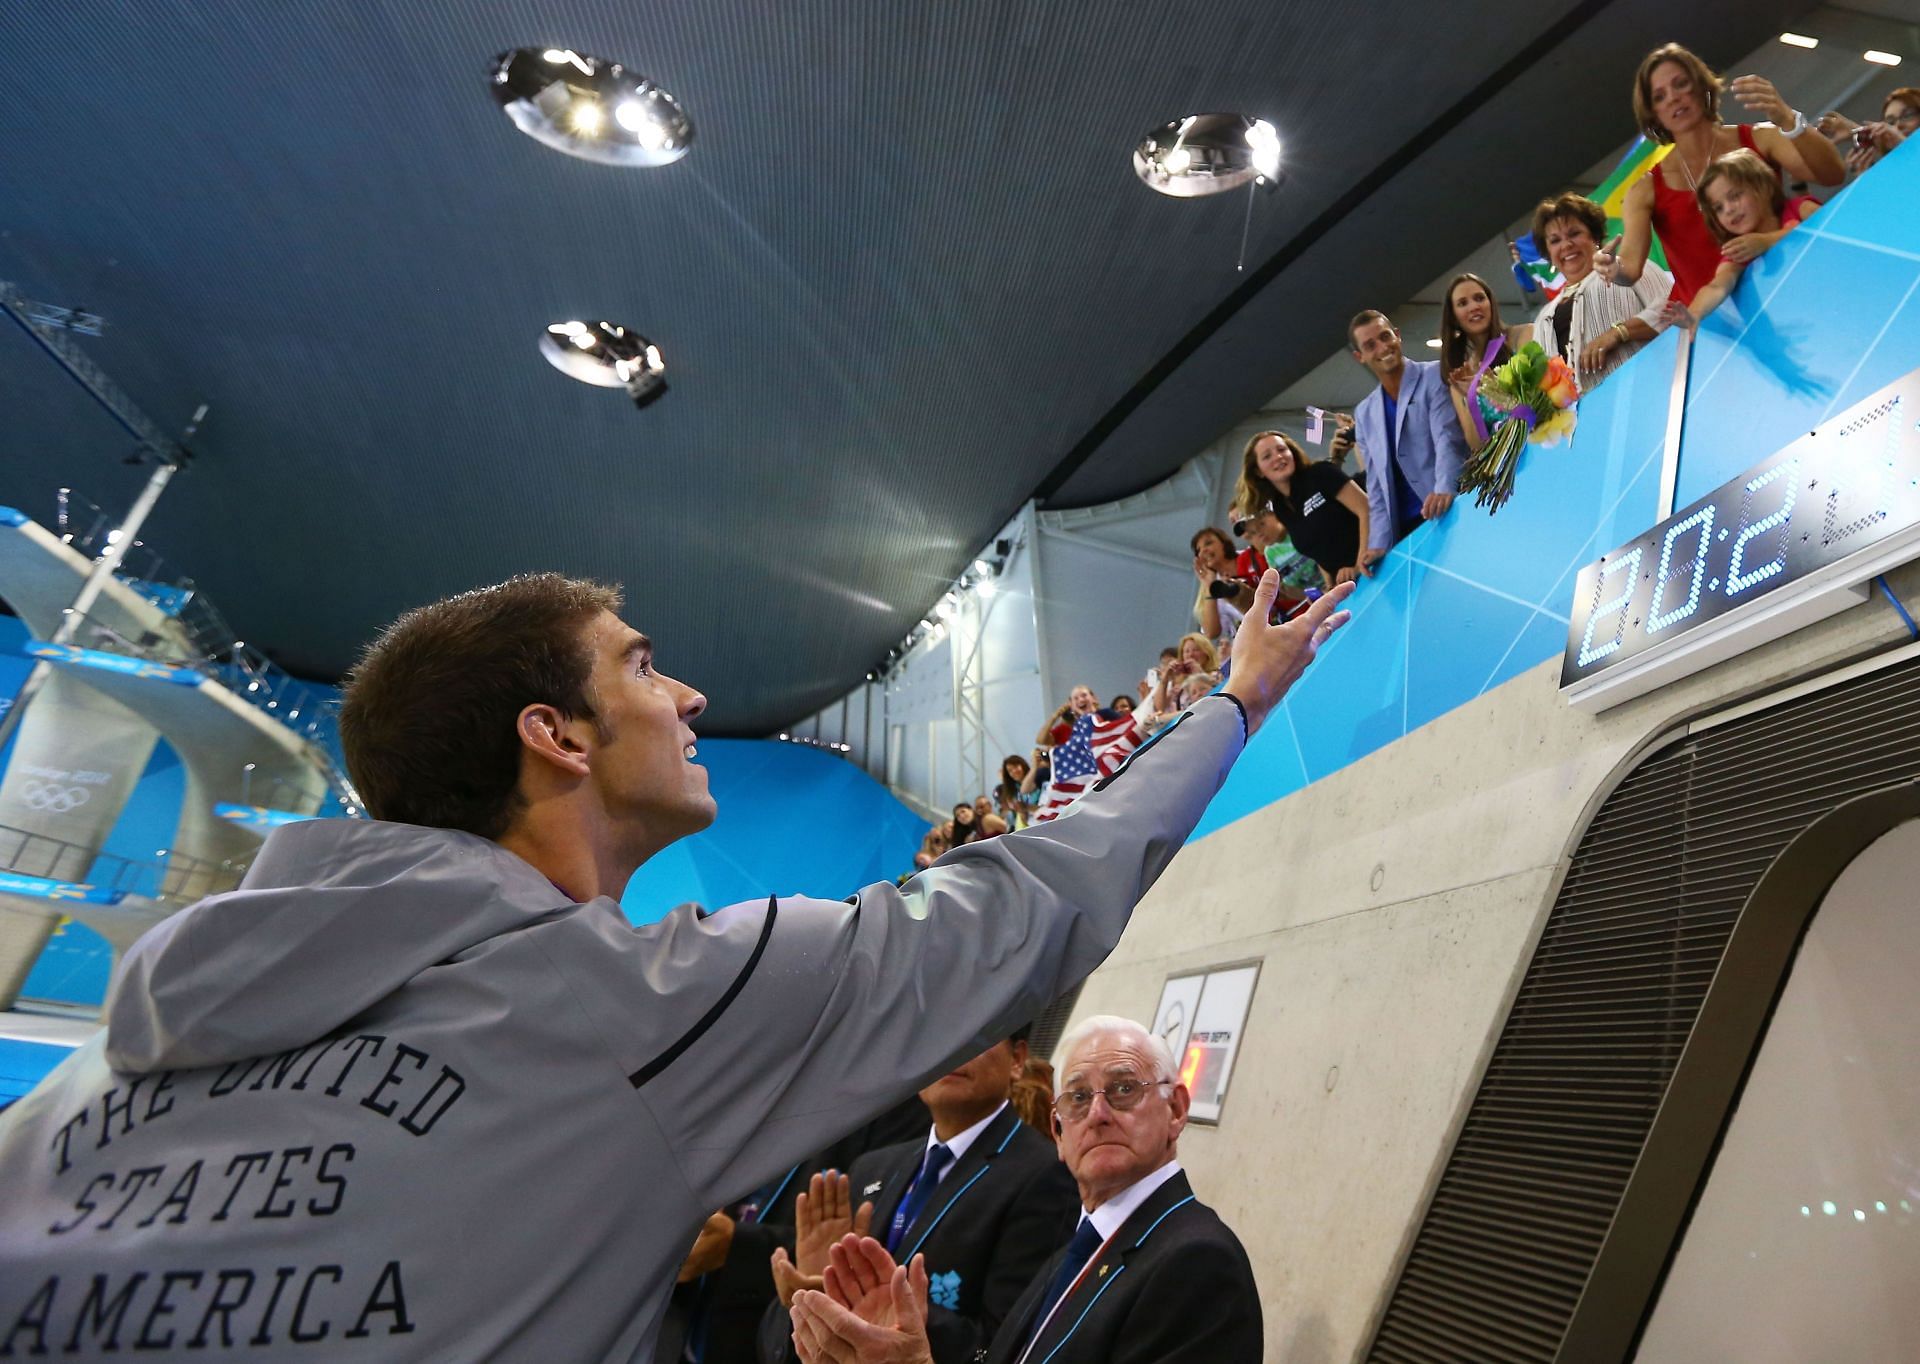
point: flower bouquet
(1538, 393)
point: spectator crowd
(846, 1266)
(1719, 198)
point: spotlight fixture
(1799, 40)
(590, 107)
(1209, 154)
(607, 356)
(1882, 58)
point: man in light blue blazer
(1408, 433)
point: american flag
(1099, 744)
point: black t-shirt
(1318, 525)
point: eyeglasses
(1123, 1096)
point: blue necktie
(1080, 1249)
(924, 1183)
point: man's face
(1377, 346)
(1107, 1151)
(641, 760)
(973, 1090)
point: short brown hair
(429, 715)
(1360, 319)
(1908, 95)
(1575, 206)
(1704, 80)
(1743, 168)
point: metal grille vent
(1630, 947)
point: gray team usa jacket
(397, 1098)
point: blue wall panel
(793, 820)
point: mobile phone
(1863, 136)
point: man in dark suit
(982, 1199)
(725, 1284)
(1151, 1275)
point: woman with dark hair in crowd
(1323, 510)
(966, 824)
(1676, 100)
(1011, 798)
(1121, 704)
(1223, 596)
(1594, 324)
(1473, 339)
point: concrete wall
(1394, 905)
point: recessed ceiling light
(1799, 40)
(607, 356)
(1883, 58)
(590, 107)
(1433, 343)
(1208, 154)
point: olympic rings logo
(59, 800)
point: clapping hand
(822, 1214)
(872, 1311)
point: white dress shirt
(960, 1142)
(1111, 1215)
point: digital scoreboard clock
(1794, 539)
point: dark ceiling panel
(903, 273)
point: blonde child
(1747, 212)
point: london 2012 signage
(1796, 538)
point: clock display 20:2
(1826, 497)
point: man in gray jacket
(418, 1090)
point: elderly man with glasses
(1152, 1275)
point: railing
(205, 642)
(277, 793)
(170, 876)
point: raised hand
(1269, 658)
(822, 1214)
(1758, 95)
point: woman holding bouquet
(1592, 324)
(1472, 340)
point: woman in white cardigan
(1595, 326)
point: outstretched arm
(879, 993)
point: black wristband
(1246, 727)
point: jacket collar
(1106, 1266)
(965, 1172)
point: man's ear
(549, 735)
(1180, 1101)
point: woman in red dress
(1676, 100)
